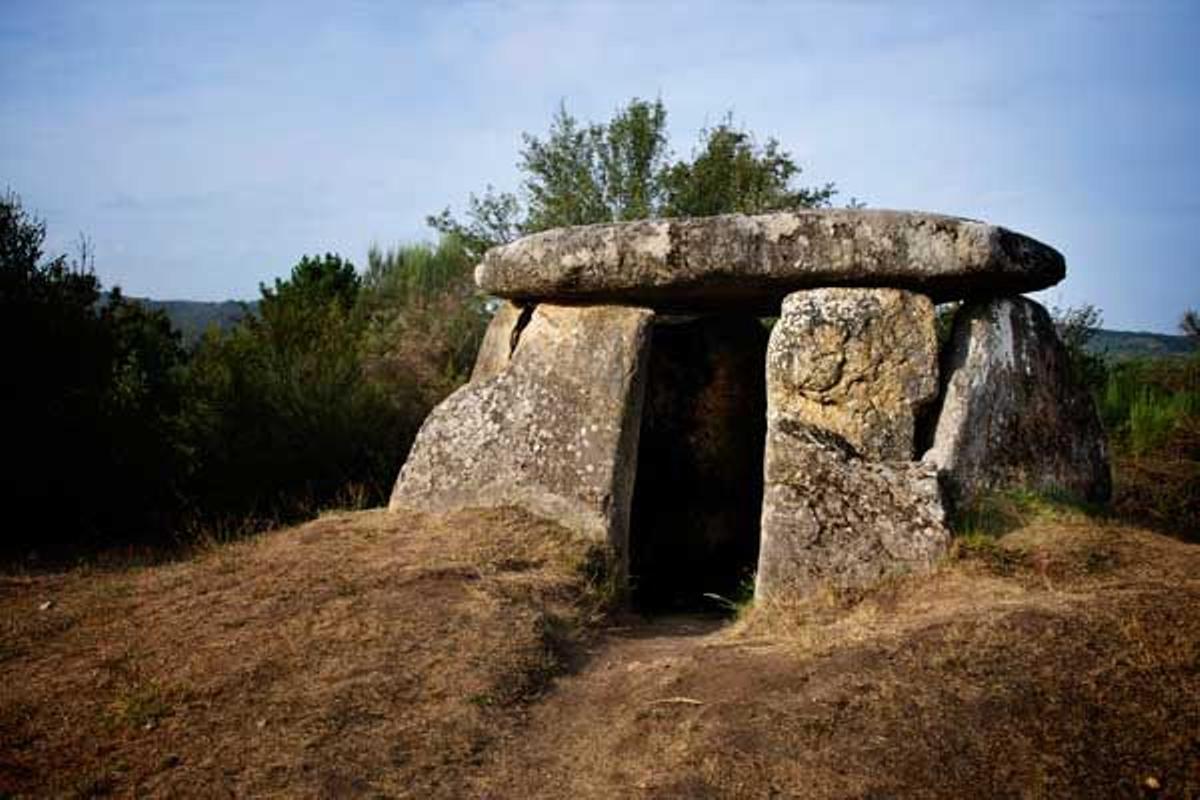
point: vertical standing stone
(844, 505)
(1012, 414)
(859, 363)
(553, 431)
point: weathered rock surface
(860, 363)
(698, 494)
(843, 503)
(831, 518)
(554, 431)
(738, 262)
(1011, 414)
(499, 342)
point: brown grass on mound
(361, 653)
(1062, 660)
(408, 656)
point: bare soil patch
(408, 656)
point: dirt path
(637, 679)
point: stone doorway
(697, 499)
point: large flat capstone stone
(749, 263)
(860, 363)
(549, 423)
(1012, 415)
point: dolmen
(762, 395)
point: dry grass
(361, 653)
(1061, 660)
(409, 656)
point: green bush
(280, 415)
(91, 387)
(424, 321)
(1154, 417)
(1151, 410)
(311, 400)
(1143, 401)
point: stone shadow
(697, 500)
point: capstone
(746, 263)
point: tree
(315, 281)
(1076, 326)
(319, 292)
(425, 320)
(564, 181)
(93, 386)
(633, 160)
(493, 219)
(622, 170)
(1189, 323)
(731, 173)
(279, 409)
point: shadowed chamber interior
(698, 493)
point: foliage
(280, 416)
(633, 155)
(1189, 323)
(730, 172)
(315, 282)
(424, 321)
(564, 177)
(310, 400)
(1143, 401)
(579, 174)
(92, 385)
(1152, 419)
(1151, 409)
(1076, 326)
(493, 219)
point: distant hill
(1122, 345)
(193, 317)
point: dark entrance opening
(697, 499)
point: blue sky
(204, 147)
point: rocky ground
(468, 656)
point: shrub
(1151, 409)
(280, 414)
(92, 384)
(424, 321)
